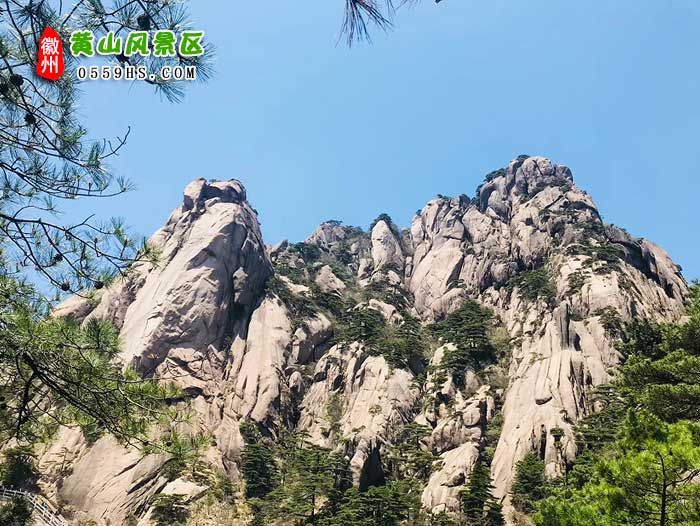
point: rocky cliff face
(266, 335)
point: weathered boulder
(327, 281)
(386, 248)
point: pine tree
(18, 469)
(530, 483)
(494, 513)
(387, 505)
(478, 506)
(409, 457)
(311, 479)
(257, 463)
(476, 494)
(47, 158)
(651, 478)
(45, 154)
(169, 510)
(16, 513)
(55, 367)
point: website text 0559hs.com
(118, 72)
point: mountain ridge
(270, 335)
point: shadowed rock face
(204, 316)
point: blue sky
(318, 131)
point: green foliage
(496, 173)
(307, 251)
(334, 412)
(534, 284)
(668, 387)
(577, 279)
(18, 469)
(330, 301)
(297, 261)
(387, 219)
(640, 460)
(284, 268)
(494, 514)
(529, 485)
(591, 229)
(51, 365)
(689, 335)
(391, 294)
(467, 328)
(169, 510)
(532, 191)
(339, 270)
(597, 249)
(388, 505)
(361, 324)
(643, 339)
(493, 433)
(601, 426)
(478, 505)
(342, 253)
(48, 158)
(652, 479)
(311, 485)
(299, 305)
(611, 321)
(185, 450)
(401, 345)
(409, 457)
(257, 463)
(291, 482)
(222, 488)
(17, 512)
(310, 475)
(52, 371)
(661, 372)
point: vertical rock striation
(266, 336)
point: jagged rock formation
(264, 335)
(177, 318)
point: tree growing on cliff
(52, 371)
(661, 372)
(478, 505)
(530, 483)
(56, 372)
(257, 463)
(643, 467)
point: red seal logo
(49, 64)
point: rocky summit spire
(349, 336)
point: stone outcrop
(458, 418)
(177, 316)
(357, 395)
(531, 216)
(530, 246)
